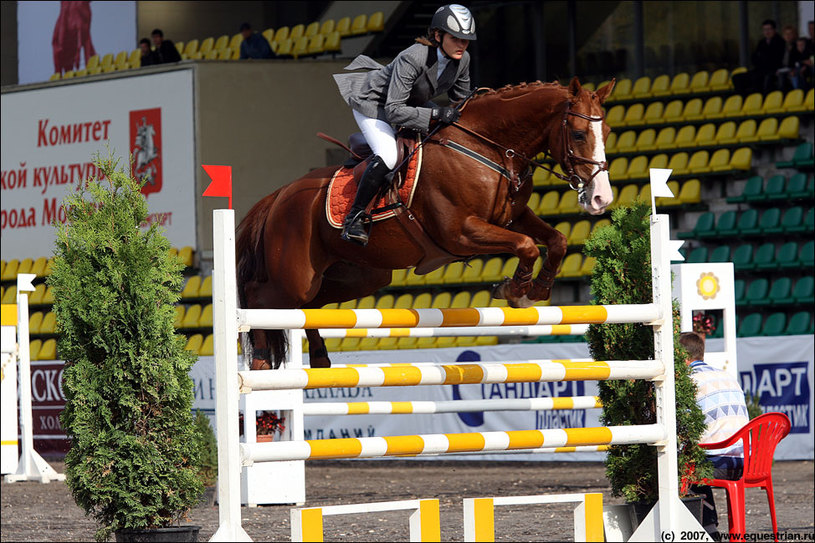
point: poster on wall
(57, 37)
(50, 136)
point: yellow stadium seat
(93, 62)
(627, 142)
(284, 48)
(348, 304)
(497, 302)
(398, 278)
(679, 84)
(699, 82)
(173, 251)
(332, 344)
(368, 302)
(534, 200)
(34, 349)
(492, 270)
(222, 43)
(426, 343)
(679, 163)
(376, 23)
(568, 203)
(412, 279)
(622, 90)
(205, 321)
(212, 54)
(699, 162)
(589, 86)
(768, 129)
(752, 105)
(654, 113)
(673, 111)
(136, 63)
(225, 54)
(332, 43)
(452, 273)
(587, 266)
(48, 297)
(646, 140)
(627, 196)
(658, 161)
(25, 265)
(327, 27)
(550, 200)
(602, 223)
(726, 133)
(564, 227)
(10, 272)
(611, 143)
(134, 60)
(571, 265)
(297, 32)
(194, 342)
(808, 103)
(71, 74)
(236, 40)
(422, 301)
(49, 323)
(316, 44)
(706, 135)
(359, 26)
(185, 254)
(719, 80)
(300, 47)
(747, 131)
(385, 302)
(407, 342)
(661, 85)
(579, 233)
(633, 115)
(691, 192)
(742, 159)
(34, 322)
(638, 168)
(719, 161)
(793, 100)
(190, 49)
(615, 115)
(312, 29)
(641, 88)
(404, 301)
(732, 106)
(48, 351)
(686, 137)
(55, 77)
(789, 128)
(2, 267)
(192, 287)
(665, 138)
(472, 271)
(208, 346)
(773, 103)
(461, 300)
(693, 110)
(344, 26)
(333, 305)
(434, 277)
(351, 344)
(713, 108)
(282, 34)
(180, 310)
(509, 267)
(35, 298)
(445, 342)
(179, 46)
(442, 300)
(540, 177)
(481, 299)
(618, 169)
(192, 316)
(466, 341)
(206, 46)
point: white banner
(61, 36)
(50, 136)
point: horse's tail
(251, 266)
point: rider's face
(453, 47)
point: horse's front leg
(535, 227)
(317, 353)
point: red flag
(221, 181)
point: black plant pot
(641, 509)
(172, 534)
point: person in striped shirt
(721, 399)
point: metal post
(225, 328)
(744, 35)
(639, 41)
(539, 40)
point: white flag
(659, 183)
(24, 282)
(673, 249)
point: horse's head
(582, 146)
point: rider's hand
(445, 115)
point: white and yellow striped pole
(460, 331)
(8, 391)
(452, 406)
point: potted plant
(208, 453)
(267, 424)
(133, 462)
(622, 275)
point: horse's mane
(513, 91)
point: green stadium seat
(802, 158)
(779, 293)
(742, 257)
(764, 257)
(769, 222)
(806, 225)
(739, 291)
(705, 223)
(796, 187)
(806, 256)
(774, 189)
(774, 325)
(753, 187)
(790, 222)
(750, 325)
(799, 324)
(756, 292)
(804, 290)
(727, 224)
(697, 255)
(786, 256)
(720, 254)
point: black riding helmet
(456, 20)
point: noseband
(575, 181)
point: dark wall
(8, 43)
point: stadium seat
(742, 257)
(282, 34)
(726, 134)
(673, 111)
(192, 316)
(742, 159)
(691, 192)
(509, 267)
(192, 287)
(728, 224)
(398, 278)
(134, 59)
(752, 105)
(804, 290)
(806, 224)
(550, 200)
(806, 103)
(344, 26)
(481, 299)
(618, 170)
(34, 322)
(48, 297)
(571, 265)
(801, 158)
(750, 325)
(328, 27)
(284, 48)
(646, 140)
(622, 90)
(205, 321)
(35, 298)
(789, 223)
(300, 47)
(93, 63)
(732, 106)
(48, 351)
(713, 108)
(697, 255)
(49, 323)
(665, 138)
(223, 42)
(206, 46)
(679, 163)
(633, 116)
(568, 203)
(312, 29)
(359, 25)
(34, 348)
(461, 300)
(434, 277)
(385, 302)
(699, 82)
(55, 76)
(492, 270)
(774, 325)
(587, 267)
(194, 343)
(806, 256)
(767, 129)
(627, 142)
(720, 254)
(190, 50)
(316, 44)
(770, 222)
(705, 135)
(773, 103)
(226, 54)
(756, 292)
(799, 324)
(207, 347)
(704, 223)
(564, 227)
(376, 22)
(297, 32)
(653, 113)
(720, 161)
(611, 143)
(739, 291)
(793, 100)
(332, 43)
(579, 233)
(534, 200)
(186, 254)
(641, 88)
(764, 257)
(638, 168)
(472, 271)
(615, 115)
(693, 110)
(661, 85)
(180, 310)
(746, 131)
(719, 80)
(540, 177)
(404, 301)
(627, 196)
(779, 293)
(685, 137)
(789, 129)
(680, 84)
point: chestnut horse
(289, 256)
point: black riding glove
(445, 115)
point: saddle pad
(343, 188)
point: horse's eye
(579, 135)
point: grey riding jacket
(399, 92)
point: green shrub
(133, 462)
(622, 275)
(208, 449)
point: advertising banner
(50, 136)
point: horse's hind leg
(555, 242)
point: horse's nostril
(598, 201)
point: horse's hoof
(522, 302)
(499, 290)
(260, 364)
(320, 362)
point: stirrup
(354, 228)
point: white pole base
(34, 468)
(230, 532)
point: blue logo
(782, 387)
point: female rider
(399, 95)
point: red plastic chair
(759, 438)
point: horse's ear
(574, 86)
(604, 92)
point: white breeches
(380, 137)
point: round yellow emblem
(708, 286)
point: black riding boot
(353, 227)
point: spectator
(767, 57)
(148, 56)
(254, 45)
(165, 49)
(721, 399)
(789, 58)
(801, 74)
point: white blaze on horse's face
(600, 195)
